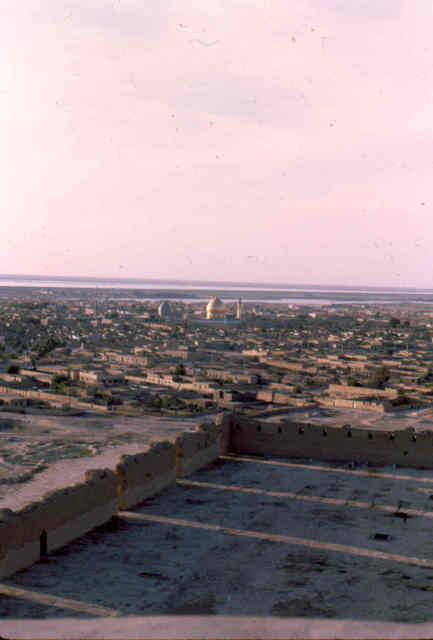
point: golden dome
(215, 308)
(215, 304)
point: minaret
(239, 309)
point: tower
(239, 309)
(164, 310)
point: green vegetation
(9, 424)
(59, 383)
(359, 346)
(79, 451)
(114, 402)
(46, 345)
(13, 369)
(353, 382)
(379, 377)
(180, 370)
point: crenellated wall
(13, 555)
(66, 514)
(197, 449)
(145, 474)
(58, 518)
(295, 439)
(224, 423)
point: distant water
(277, 293)
(143, 283)
(306, 302)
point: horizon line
(176, 281)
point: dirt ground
(418, 419)
(35, 448)
(250, 537)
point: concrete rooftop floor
(272, 540)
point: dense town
(139, 357)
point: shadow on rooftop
(336, 468)
(247, 548)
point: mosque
(216, 313)
(216, 310)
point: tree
(380, 377)
(114, 402)
(353, 382)
(157, 401)
(13, 369)
(47, 345)
(58, 378)
(180, 370)
(95, 392)
(401, 399)
(59, 383)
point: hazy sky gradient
(249, 140)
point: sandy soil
(40, 453)
(250, 537)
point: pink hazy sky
(248, 140)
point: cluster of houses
(134, 357)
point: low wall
(66, 514)
(347, 390)
(283, 398)
(344, 403)
(58, 518)
(11, 534)
(293, 439)
(55, 399)
(224, 423)
(197, 449)
(284, 364)
(369, 406)
(265, 396)
(144, 474)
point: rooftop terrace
(419, 419)
(247, 547)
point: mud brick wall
(145, 474)
(58, 518)
(224, 423)
(292, 439)
(197, 449)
